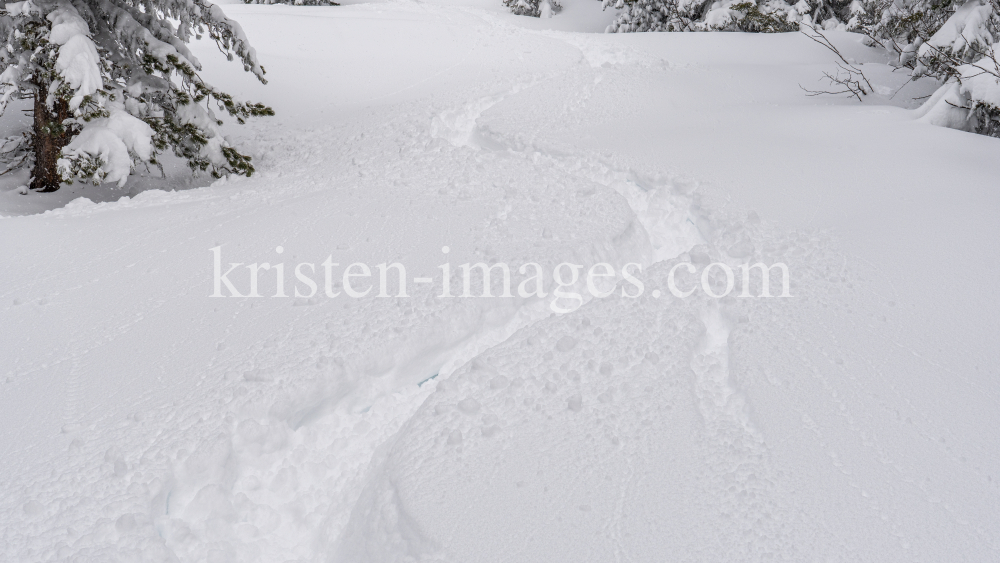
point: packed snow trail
(150, 422)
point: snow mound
(78, 61)
(112, 141)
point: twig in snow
(849, 77)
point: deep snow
(142, 420)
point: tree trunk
(50, 137)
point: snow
(966, 28)
(980, 80)
(945, 108)
(204, 119)
(141, 419)
(15, 8)
(113, 140)
(78, 62)
(66, 24)
(720, 17)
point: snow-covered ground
(858, 420)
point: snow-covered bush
(967, 36)
(648, 15)
(929, 37)
(533, 8)
(748, 17)
(954, 42)
(980, 82)
(114, 85)
(294, 2)
(771, 16)
(970, 99)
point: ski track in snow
(736, 453)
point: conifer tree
(763, 16)
(114, 85)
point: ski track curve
(742, 480)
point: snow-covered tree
(962, 53)
(954, 41)
(928, 36)
(764, 16)
(114, 85)
(648, 15)
(294, 2)
(534, 8)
